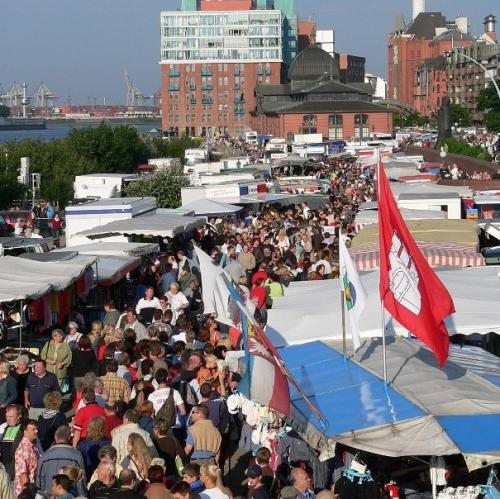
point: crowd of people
(145, 402)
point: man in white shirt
(149, 300)
(177, 300)
(160, 395)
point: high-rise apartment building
(214, 53)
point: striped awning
(437, 254)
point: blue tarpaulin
(423, 411)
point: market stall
(146, 225)
(423, 411)
(47, 285)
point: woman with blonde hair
(108, 337)
(146, 421)
(282, 240)
(139, 457)
(50, 419)
(211, 477)
(95, 334)
(89, 447)
(76, 476)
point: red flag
(409, 289)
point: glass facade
(199, 36)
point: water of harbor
(60, 130)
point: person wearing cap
(256, 489)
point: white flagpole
(342, 299)
(384, 349)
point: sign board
(220, 192)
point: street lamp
(460, 54)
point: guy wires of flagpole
(384, 349)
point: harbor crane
(134, 96)
(43, 96)
(13, 96)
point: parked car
(12, 216)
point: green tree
(4, 111)
(10, 190)
(165, 185)
(409, 119)
(460, 115)
(489, 104)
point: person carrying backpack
(167, 402)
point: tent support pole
(384, 348)
(342, 308)
(21, 324)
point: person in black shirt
(39, 383)
(127, 481)
(106, 482)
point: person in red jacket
(259, 292)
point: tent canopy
(211, 207)
(109, 269)
(21, 278)
(423, 411)
(146, 225)
(451, 231)
(437, 255)
(112, 248)
(311, 310)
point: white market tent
(147, 225)
(311, 310)
(22, 279)
(107, 248)
(211, 207)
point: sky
(80, 48)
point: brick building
(315, 101)
(465, 79)
(213, 54)
(428, 37)
(306, 34)
(352, 68)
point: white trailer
(101, 185)
(100, 212)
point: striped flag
(354, 293)
(267, 377)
